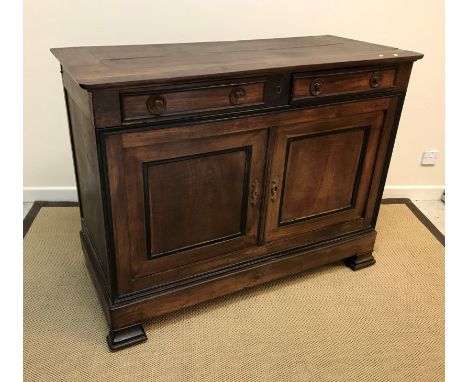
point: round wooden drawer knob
(237, 96)
(156, 104)
(316, 87)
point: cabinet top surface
(128, 65)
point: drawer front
(312, 85)
(166, 102)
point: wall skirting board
(52, 194)
(416, 192)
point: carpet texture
(383, 323)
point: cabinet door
(182, 195)
(323, 168)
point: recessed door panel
(321, 173)
(196, 200)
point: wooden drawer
(312, 85)
(165, 102)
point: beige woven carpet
(383, 323)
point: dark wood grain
(188, 199)
(330, 162)
(202, 167)
(320, 187)
(106, 108)
(232, 280)
(89, 186)
(191, 101)
(152, 145)
(337, 83)
(105, 66)
(207, 168)
(81, 97)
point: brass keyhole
(254, 193)
(274, 188)
(375, 80)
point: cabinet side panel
(87, 168)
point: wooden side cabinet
(206, 168)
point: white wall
(413, 25)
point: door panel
(182, 201)
(321, 173)
(187, 200)
(313, 157)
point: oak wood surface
(222, 178)
(313, 178)
(342, 82)
(196, 200)
(190, 101)
(136, 148)
(320, 173)
(235, 280)
(104, 66)
(89, 186)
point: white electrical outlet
(429, 157)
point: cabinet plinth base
(360, 261)
(122, 338)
